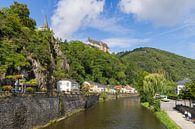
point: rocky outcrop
(45, 74)
(63, 63)
(39, 71)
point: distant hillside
(154, 60)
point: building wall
(64, 86)
(99, 46)
(179, 87)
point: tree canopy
(93, 65)
(152, 60)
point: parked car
(164, 98)
(193, 103)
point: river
(126, 113)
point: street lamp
(18, 83)
(176, 97)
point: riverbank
(177, 117)
(163, 117)
(107, 97)
(51, 122)
(29, 112)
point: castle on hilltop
(92, 43)
(98, 44)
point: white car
(164, 98)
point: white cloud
(159, 12)
(124, 43)
(70, 15)
(109, 25)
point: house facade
(67, 86)
(95, 87)
(181, 85)
(111, 90)
(118, 88)
(129, 89)
(98, 44)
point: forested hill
(38, 55)
(90, 64)
(154, 60)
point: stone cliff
(46, 76)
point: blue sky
(123, 24)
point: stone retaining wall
(114, 96)
(28, 112)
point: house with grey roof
(181, 84)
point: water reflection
(117, 114)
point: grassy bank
(163, 117)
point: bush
(103, 96)
(172, 96)
(19, 76)
(29, 89)
(7, 88)
(156, 105)
(145, 104)
(43, 90)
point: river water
(126, 113)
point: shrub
(15, 77)
(172, 96)
(156, 105)
(32, 82)
(19, 76)
(103, 96)
(145, 104)
(7, 88)
(43, 90)
(29, 89)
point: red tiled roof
(118, 87)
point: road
(176, 116)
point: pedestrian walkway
(177, 117)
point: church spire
(45, 24)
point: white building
(95, 87)
(98, 44)
(112, 91)
(181, 85)
(128, 89)
(68, 85)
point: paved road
(176, 116)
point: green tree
(188, 92)
(23, 13)
(154, 84)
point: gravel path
(177, 117)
